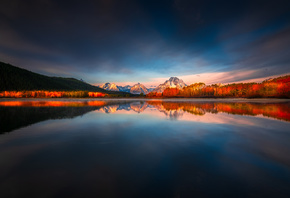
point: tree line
(276, 88)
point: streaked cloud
(146, 41)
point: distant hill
(281, 79)
(16, 79)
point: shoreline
(250, 100)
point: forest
(20, 83)
(16, 82)
(272, 88)
(51, 94)
(17, 79)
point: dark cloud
(268, 53)
(114, 38)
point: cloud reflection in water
(144, 149)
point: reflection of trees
(13, 118)
(169, 107)
(17, 114)
(274, 110)
(52, 103)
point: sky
(149, 41)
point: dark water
(189, 148)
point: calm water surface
(132, 148)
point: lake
(144, 148)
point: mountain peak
(139, 88)
(173, 82)
(173, 78)
(110, 86)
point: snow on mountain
(173, 82)
(138, 88)
(110, 86)
(135, 106)
(109, 109)
(138, 107)
(125, 88)
(151, 88)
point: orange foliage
(170, 92)
(52, 103)
(51, 94)
(278, 87)
(154, 95)
(96, 94)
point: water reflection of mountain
(18, 114)
(15, 114)
(174, 110)
(138, 107)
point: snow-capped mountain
(151, 88)
(125, 88)
(110, 86)
(173, 82)
(138, 88)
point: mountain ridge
(110, 87)
(13, 78)
(135, 89)
(139, 88)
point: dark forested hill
(16, 79)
